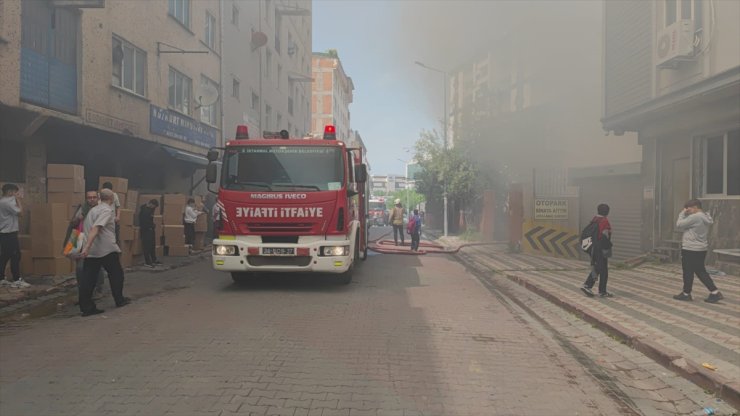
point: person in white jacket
(189, 218)
(694, 223)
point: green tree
(409, 198)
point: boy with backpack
(596, 241)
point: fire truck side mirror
(361, 173)
(212, 155)
(211, 172)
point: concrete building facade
(267, 73)
(676, 82)
(332, 94)
(120, 87)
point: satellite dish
(206, 95)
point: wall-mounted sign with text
(180, 127)
(550, 209)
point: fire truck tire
(241, 277)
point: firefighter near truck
(288, 205)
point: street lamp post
(444, 189)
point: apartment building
(332, 94)
(267, 72)
(672, 75)
(126, 88)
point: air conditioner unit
(674, 44)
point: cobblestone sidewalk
(682, 336)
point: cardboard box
(144, 198)
(54, 185)
(119, 184)
(159, 250)
(65, 171)
(178, 250)
(26, 263)
(122, 199)
(49, 221)
(174, 234)
(126, 233)
(159, 221)
(52, 266)
(176, 199)
(72, 200)
(127, 217)
(46, 247)
(201, 224)
(25, 241)
(132, 199)
(173, 214)
(127, 256)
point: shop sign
(111, 123)
(180, 127)
(551, 209)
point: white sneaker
(5, 283)
(20, 283)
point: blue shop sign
(177, 126)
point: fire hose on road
(379, 245)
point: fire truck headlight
(225, 250)
(334, 250)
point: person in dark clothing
(415, 231)
(147, 229)
(600, 252)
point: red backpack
(411, 224)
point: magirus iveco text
(289, 205)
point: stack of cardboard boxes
(174, 230)
(65, 184)
(49, 224)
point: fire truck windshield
(377, 206)
(283, 168)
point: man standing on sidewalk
(147, 229)
(396, 219)
(101, 250)
(601, 250)
(415, 229)
(10, 249)
(694, 223)
(189, 218)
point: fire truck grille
(299, 261)
(279, 227)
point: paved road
(410, 336)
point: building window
(129, 67)
(676, 10)
(255, 101)
(235, 15)
(235, 87)
(722, 164)
(180, 10)
(268, 115)
(180, 91)
(210, 31)
(209, 114)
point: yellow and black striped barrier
(551, 240)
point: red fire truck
(289, 205)
(378, 211)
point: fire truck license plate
(278, 251)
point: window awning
(193, 158)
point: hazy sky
(386, 108)
(378, 42)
